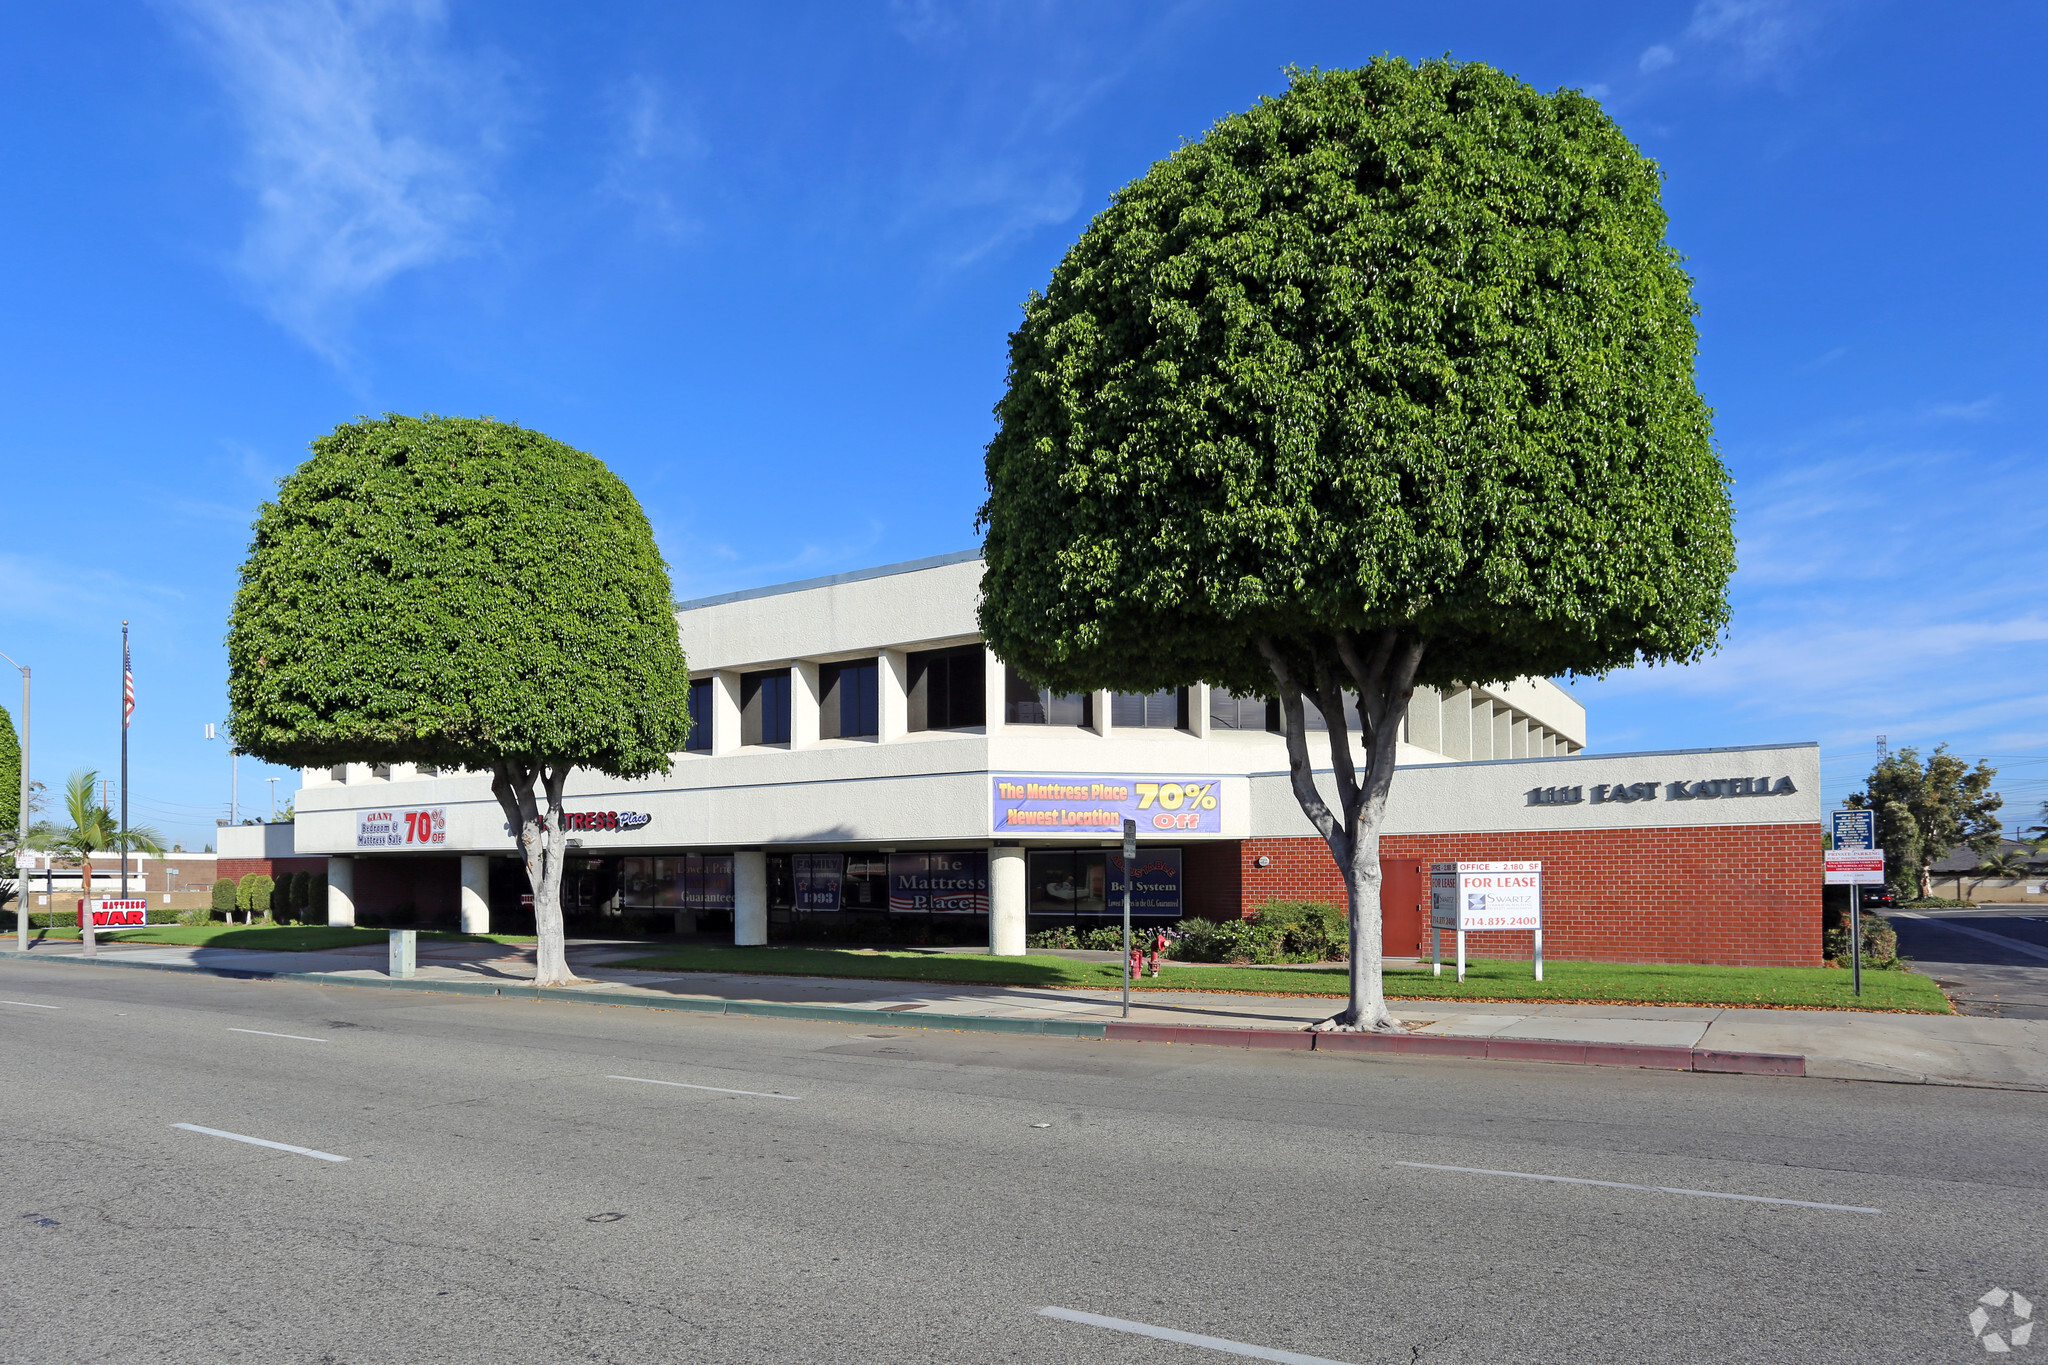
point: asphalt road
(1972, 955)
(897, 1195)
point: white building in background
(859, 752)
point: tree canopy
(455, 591)
(1404, 347)
(1925, 811)
(10, 777)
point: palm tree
(2004, 866)
(93, 829)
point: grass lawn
(272, 938)
(1601, 981)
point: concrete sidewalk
(1839, 1044)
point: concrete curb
(1647, 1055)
(1651, 1055)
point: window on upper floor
(1229, 711)
(947, 688)
(849, 704)
(338, 773)
(1026, 704)
(699, 741)
(427, 769)
(764, 707)
(381, 771)
(1166, 710)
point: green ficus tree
(1925, 811)
(465, 593)
(1387, 381)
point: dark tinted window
(699, 741)
(946, 689)
(1149, 710)
(1026, 704)
(1228, 711)
(764, 707)
(849, 706)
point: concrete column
(892, 694)
(341, 891)
(476, 894)
(804, 700)
(1007, 902)
(1425, 720)
(1102, 723)
(995, 691)
(1503, 732)
(749, 899)
(1198, 710)
(725, 713)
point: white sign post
(1854, 868)
(1480, 897)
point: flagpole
(127, 705)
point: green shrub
(254, 893)
(1311, 931)
(1061, 937)
(224, 896)
(1230, 940)
(1880, 944)
(315, 909)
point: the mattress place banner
(1039, 803)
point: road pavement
(1991, 960)
(537, 1182)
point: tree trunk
(543, 840)
(85, 930)
(1385, 680)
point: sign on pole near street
(1478, 897)
(1854, 828)
(1854, 866)
(115, 914)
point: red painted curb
(1655, 1055)
(1750, 1063)
(1534, 1050)
(1412, 1044)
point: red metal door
(1404, 891)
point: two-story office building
(859, 755)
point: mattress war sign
(113, 914)
(402, 828)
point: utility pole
(220, 732)
(21, 821)
(127, 710)
(273, 796)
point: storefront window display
(939, 883)
(696, 881)
(1089, 882)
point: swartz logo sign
(1036, 804)
(600, 821)
(402, 828)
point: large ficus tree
(465, 593)
(1387, 381)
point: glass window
(1024, 704)
(946, 688)
(1229, 711)
(1067, 882)
(338, 773)
(849, 704)
(699, 741)
(1166, 710)
(867, 882)
(764, 707)
(381, 771)
(427, 769)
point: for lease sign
(402, 828)
(1481, 896)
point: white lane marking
(264, 1033)
(258, 1142)
(1653, 1189)
(1224, 1344)
(685, 1085)
(27, 1005)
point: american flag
(127, 686)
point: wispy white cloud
(370, 146)
(653, 142)
(1752, 39)
(1655, 57)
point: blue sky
(763, 260)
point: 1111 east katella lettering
(1702, 790)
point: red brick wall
(1736, 895)
(273, 868)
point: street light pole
(21, 820)
(273, 797)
